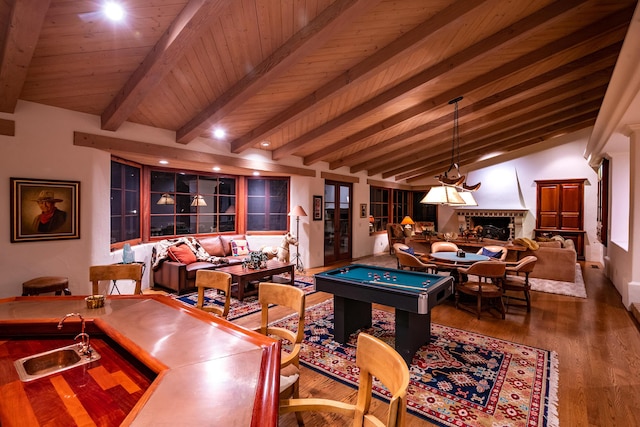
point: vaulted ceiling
(360, 84)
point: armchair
(482, 281)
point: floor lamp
(298, 211)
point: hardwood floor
(597, 341)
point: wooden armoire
(559, 210)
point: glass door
(337, 221)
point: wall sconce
(166, 199)
(198, 200)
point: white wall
(563, 161)
(43, 149)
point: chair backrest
(287, 296)
(377, 359)
(525, 265)
(399, 246)
(444, 247)
(131, 271)
(495, 249)
(486, 269)
(211, 279)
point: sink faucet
(85, 347)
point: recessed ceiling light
(256, 173)
(163, 162)
(219, 133)
(265, 143)
(216, 168)
(113, 11)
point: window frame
(123, 202)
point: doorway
(337, 221)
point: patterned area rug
(576, 289)
(247, 306)
(460, 379)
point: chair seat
(42, 285)
(473, 288)
(518, 282)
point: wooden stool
(41, 285)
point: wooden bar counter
(210, 371)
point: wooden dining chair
(270, 294)
(444, 267)
(444, 247)
(113, 272)
(482, 280)
(211, 279)
(412, 262)
(516, 279)
(373, 358)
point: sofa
(556, 260)
(176, 261)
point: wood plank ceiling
(360, 84)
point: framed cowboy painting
(44, 210)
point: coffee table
(244, 275)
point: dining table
(450, 261)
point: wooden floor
(597, 341)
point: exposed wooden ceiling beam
(508, 35)
(581, 36)
(379, 152)
(585, 122)
(122, 147)
(169, 49)
(301, 44)
(390, 163)
(371, 65)
(533, 132)
(20, 39)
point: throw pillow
(182, 253)
(491, 254)
(239, 247)
(408, 250)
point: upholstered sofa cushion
(213, 245)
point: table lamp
(407, 222)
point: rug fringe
(553, 419)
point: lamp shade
(297, 211)
(443, 195)
(198, 200)
(166, 199)
(407, 221)
(468, 198)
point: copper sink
(53, 361)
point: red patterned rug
(247, 306)
(460, 379)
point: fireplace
(496, 224)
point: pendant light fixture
(453, 189)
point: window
(183, 203)
(400, 205)
(125, 202)
(379, 199)
(422, 212)
(267, 204)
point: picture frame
(317, 208)
(44, 209)
(363, 210)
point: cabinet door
(548, 205)
(571, 197)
